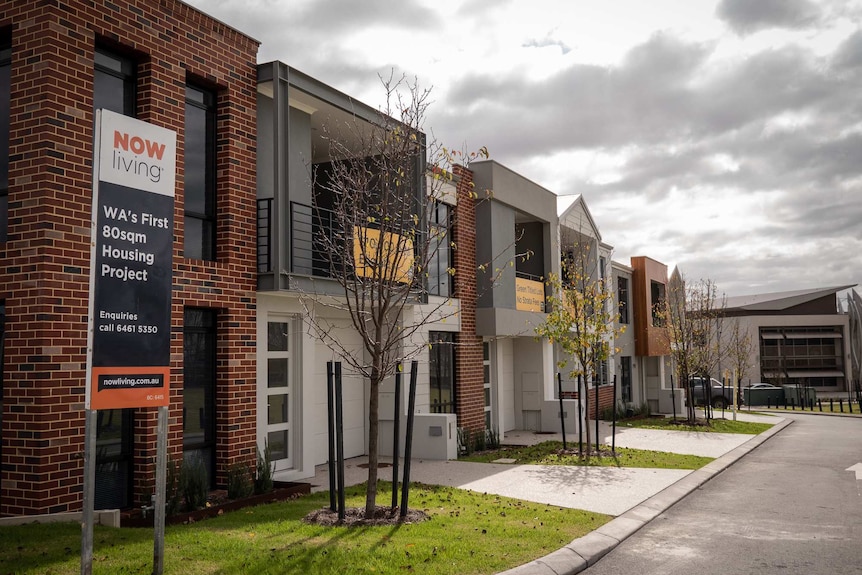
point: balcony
(307, 226)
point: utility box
(666, 399)
(435, 436)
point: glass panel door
(486, 369)
(279, 393)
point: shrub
(465, 441)
(479, 441)
(624, 412)
(492, 438)
(263, 481)
(643, 410)
(173, 494)
(240, 481)
(194, 483)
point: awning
(796, 374)
(828, 373)
(814, 335)
(802, 335)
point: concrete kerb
(587, 550)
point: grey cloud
(849, 54)
(338, 15)
(546, 42)
(749, 16)
(308, 38)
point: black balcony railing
(314, 231)
(317, 243)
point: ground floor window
(199, 387)
(602, 373)
(280, 397)
(114, 436)
(442, 371)
(486, 381)
(626, 379)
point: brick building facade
(166, 63)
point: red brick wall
(606, 398)
(44, 266)
(469, 390)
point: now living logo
(134, 164)
(137, 154)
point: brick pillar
(469, 390)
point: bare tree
(691, 312)
(581, 318)
(738, 348)
(374, 201)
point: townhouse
(298, 118)
(643, 362)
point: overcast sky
(721, 136)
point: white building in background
(801, 337)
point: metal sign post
(161, 493)
(130, 293)
(89, 492)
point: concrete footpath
(634, 496)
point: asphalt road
(788, 507)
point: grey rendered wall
(299, 157)
(265, 173)
(495, 246)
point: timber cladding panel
(44, 265)
(650, 339)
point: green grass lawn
(716, 425)
(469, 533)
(548, 453)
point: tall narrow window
(114, 90)
(442, 367)
(657, 299)
(440, 257)
(199, 385)
(113, 83)
(623, 299)
(279, 391)
(5, 105)
(200, 176)
(2, 363)
(486, 382)
(602, 376)
(626, 379)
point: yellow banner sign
(529, 295)
(386, 257)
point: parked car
(720, 397)
(762, 386)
